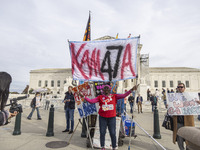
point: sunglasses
(180, 87)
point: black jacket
(131, 99)
(153, 100)
(70, 104)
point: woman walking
(35, 104)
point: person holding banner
(107, 112)
(181, 121)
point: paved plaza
(33, 132)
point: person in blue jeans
(35, 104)
(131, 99)
(69, 110)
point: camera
(14, 106)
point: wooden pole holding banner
(132, 115)
(88, 132)
(73, 132)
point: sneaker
(70, 132)
(39, 119)
(66, 130)
(28, 118)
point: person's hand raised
(135, 88)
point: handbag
(168, 122)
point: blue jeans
(69, 114)
(111, 123)
(131, 105)
(38, 113)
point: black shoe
(28, 118)
(66, 130)
(70, 132)
(39, 119)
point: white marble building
(58, 80)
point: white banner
(96, 138)
(109, 60)
(183, 103)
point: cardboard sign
(84, 108)
(183, 104)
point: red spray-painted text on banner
(110, 60)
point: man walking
(139, 103)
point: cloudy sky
(34, 33)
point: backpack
(31, 104)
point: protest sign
(96, 138)
(109, 60)
(98, 87)
(84, 108)
(183, 104)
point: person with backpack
(35, 104)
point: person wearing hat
(107, 112)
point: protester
(131, 102)
(180, 121)
(107, 112)
(148, 94)
(139, 101)
(165, 99)
(153, 100)
(35, 104)
(172, 91)
(69, 110)
(47, 102)
(157, 94)
(163, 90)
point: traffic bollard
(51, 122)
(17, 128)
(156, 134)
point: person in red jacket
(107, 112)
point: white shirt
(38, 101)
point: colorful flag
(87, 35)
